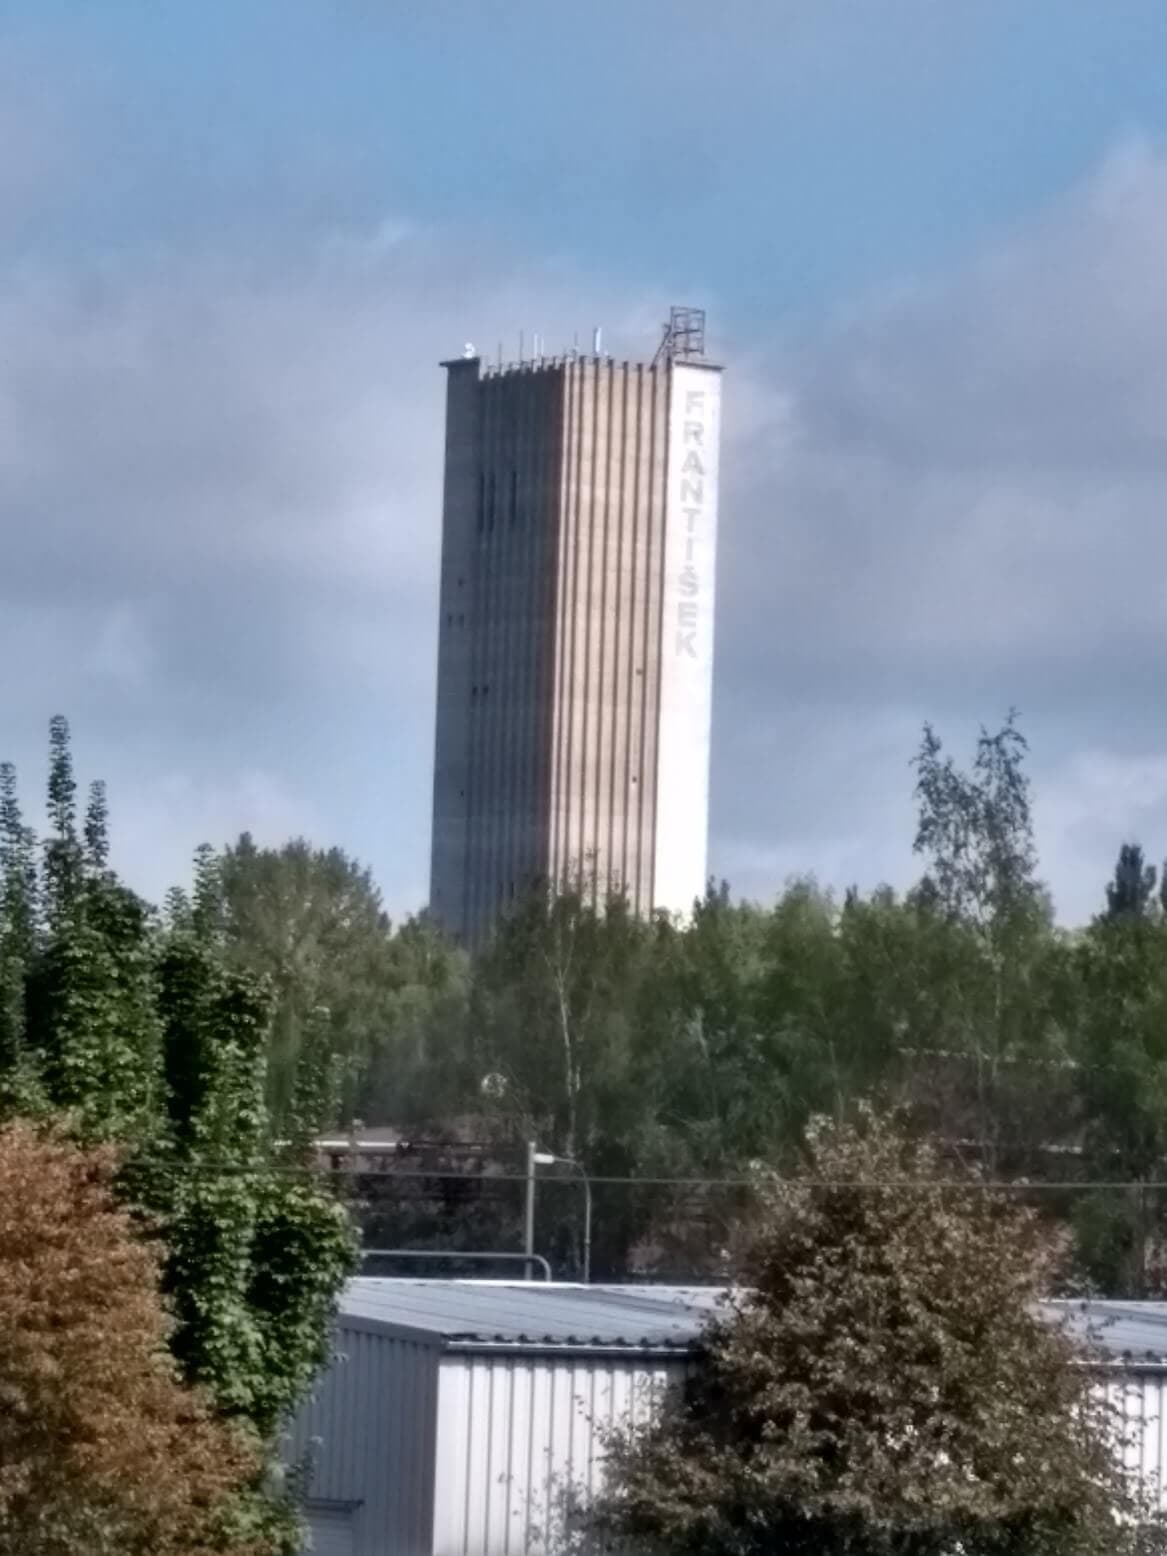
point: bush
(887, 1388)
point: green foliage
(558, 1005)
(87, 969)
(420, 1067)
(18, 919)
(311, 922)
(1120, 1019)
(257, 1254)
(870, 1399)
(91, 1018)
(975, 829)
(62, 866)
(1132, 891)
(214, 1031)
(302, 1248)
(152, 1035)
(651, 1049)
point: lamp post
(533, 1159)
(538, 1158)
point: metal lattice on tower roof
(683, 337)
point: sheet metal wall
(370, 1431)
(517, 1436)
(1140, 1397)
(480, 1454)
(331, 1532)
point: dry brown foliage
(103, 1450)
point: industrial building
(575, 657)
(461, 1418)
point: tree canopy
(140, 1031)
(651, 1049)
(885, 1386)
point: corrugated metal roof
(534, 1314)
(1130, 1332)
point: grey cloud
(220, 509)
(946, 502)
(219, 504)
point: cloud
(220, 505)
(220, 495)
(122, 652)
(944, 502)
(159, 824)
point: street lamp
(538, 1158)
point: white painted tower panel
(686, 687)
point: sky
(237, 237)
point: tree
(886, 1388)
(256, 1251)
(311, 921)
(145, 1033)
(975, 831)
(557, 1006)
(1132, 889)
(1120, 1049)
(82, 942)
(18, 917)
(554, 1014)
(103, 1450)
(420, 1071)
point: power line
(759, 1183)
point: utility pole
(587, 1244)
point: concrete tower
(575, 658)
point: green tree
(869, 1399)
(723, 1089)
(555, 1015)
(1120, 1049)
(149, 1035)
(1131, 891)
(311, 921)
(420, 1071)
(18, 923)
(975, 828)
(975, 832)
(569, 1004)
(256, 1252)
(88, 971)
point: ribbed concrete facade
(558, 653)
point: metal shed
(1130, 1342)
(459, 1416)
